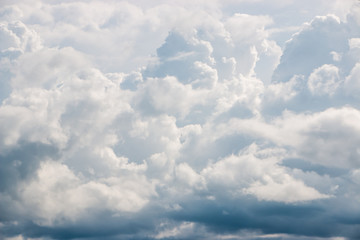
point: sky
(232, 119)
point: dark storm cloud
(313, 220)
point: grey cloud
(159, 121)
(270, 217)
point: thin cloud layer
(181, 120)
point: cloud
(181, 120)
(352, 81)
(324, 80)
(260, 176)
(57, 193)
(311, 47)
(16, 38)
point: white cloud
(352, 82)
(16, 36)
(57, 193)
(286, 190)
(258, 173)
(47, 68)
(284, 91)
(182, 119)
(310, 48)
(185, 174)
(324, 80)
(167, 95)
(329, 137)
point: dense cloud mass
(179, 119)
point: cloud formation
(182, 120)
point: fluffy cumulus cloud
(179, 119)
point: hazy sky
(182, 119)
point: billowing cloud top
(179, 119)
